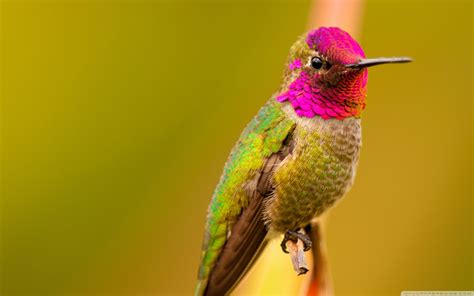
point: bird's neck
(344, 100)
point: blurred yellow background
(117, 117)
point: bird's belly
(319, 172)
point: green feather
(263, 136)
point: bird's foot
(294, 236)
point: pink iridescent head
(326, 75)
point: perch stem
(298, 258)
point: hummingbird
(295, 159)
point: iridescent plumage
(263, 136)
(293, 161)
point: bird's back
(237, 203)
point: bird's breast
(318, 172)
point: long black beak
(364, 63)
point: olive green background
(117, 117)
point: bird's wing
(235, 229)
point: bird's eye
(316, 63)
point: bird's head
(326, 75)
